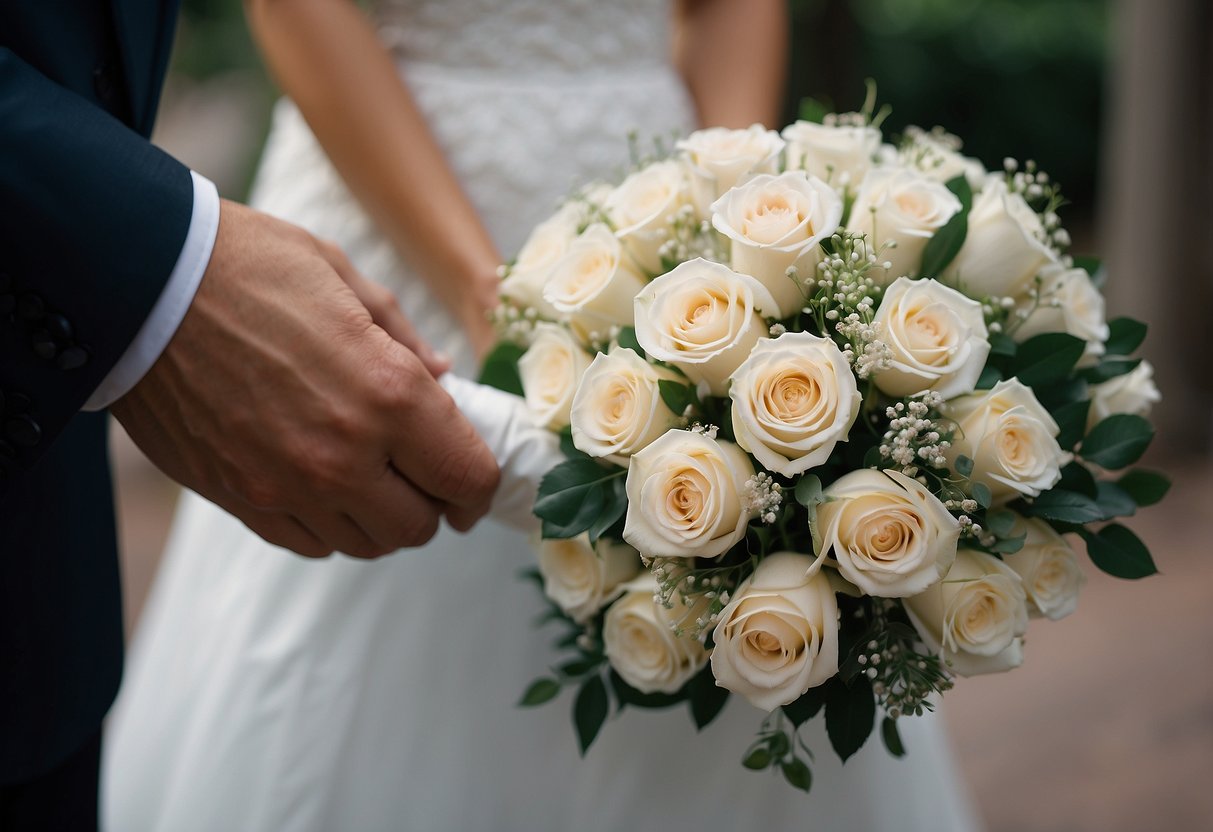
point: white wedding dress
(268, 692)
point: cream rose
(778, 635)
(1011, 439)
(618, 409)
(776, 223)
(686, 496)
(582, 578)
(721, 158)
(1002, 251)
(1048, 568)
(975, 618)
(1069, 302)
(640, 642)
(794, 399)
(547, 244)
(643, 209)
(837, 155)
(551, 369)
(1133, 392)
(704, 318)
(900, 211)
(892, 537)
(936, 338)
(593, 285)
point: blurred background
(1109, 724)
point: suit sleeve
(93, 218)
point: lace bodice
(528, 37)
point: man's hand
(284, 402)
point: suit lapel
(145, 35)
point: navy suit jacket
(92, 220)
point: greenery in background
(1024, 77)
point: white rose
(837, 155)
(892, 537)
(686, 496)
(544, 247)
(1133, 392)
(593, 285)
(1049, 569)
(1002, 251)
(904, 208)
(1011, 439)
(618, 409)
(794, 398)
(551, 369)
(582, 578)
(640, 642)
(975, 618)
(1070, 303)
(644, 207)
(936, 338)
(776, 223)
(721, 158)
(704, 318)
(937, 154)
(778, 635)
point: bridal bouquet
(835, 413)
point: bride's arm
(327, 58)
(733, 55)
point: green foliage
(677, 396)
(501, 368)
(1119, 552)
(891, 737)
(1047, 358)
(942, 248)
(1071, 418)
(590, 710)
(1145, 487)
(797, 773)
(627, 340)
(1117, 441)
(850, 714)
(579, 495)
(540, 691)
(1066, 506)
(706, 697)
(813, 110)
(1124, 336)
(806, 707)
(1110, 368)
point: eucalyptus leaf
(501, 368)
(540, 691)
(964, 465)
(808, 490)
(1009, 545)
(590, 711)
(797, 773)
(1000, 522)
(1145, 487)
(1119, 552)
(1047, 358)
(850, 714)
(1117, 441)
(981, 493)
(758, 759)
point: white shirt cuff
(174, 301)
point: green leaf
(501, 368)
(1072, 420)
(981, 493)
(1110, 368)
(959, 185)
(1088, 264)
(614, 506)
(1067, 506)
(627, 340)
(1119, 552)
(806, 707)
(990, 375)
(629, 695)
(677, 396)
(1047, 358)
(1009, 545)
(707, 698)
(796, 772)
(964, 465)
(590, 711)
(808, 490)
(1117, 441)
(1114, 501)
(1000, 522)
(779, 745)
(892, 739)
(1002, 344)
(573, 495)
(568, 448)
(1145, 487)
(1076, 477)
(1124, 336)
(1055, 396)
(850, 714)
(941, 249)
(578, 667)
(813, 110)
(540, 691)
(758, 759)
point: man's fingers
(282, 530)
(395, 514)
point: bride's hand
(477, 302)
